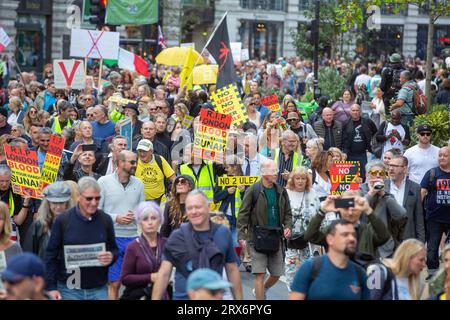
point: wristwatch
(321, 213)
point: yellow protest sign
(24, 166)
(227, 101)
(119, 100)
(187, 121)
(52, 159)
(205, 74)
(237, 180)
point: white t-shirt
(362, 79)
(394, 142)
(420, 161)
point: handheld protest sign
(26, 175)
(272, 103)
(52, 160)
(94, 44)
(126, 130)
(69, 73)
(344, 176)
(233, 181)
(227, 100)
(210, 140)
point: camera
(378, 186)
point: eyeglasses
(290, 120)
(152, 109)
(380, 173)
(181, 180)
(87, 99)
(89, 115)
(33, 112)
(425, 134)
(14, 130)
(396, 166)
(161, 108)
(89, 199)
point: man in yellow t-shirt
(152, 170)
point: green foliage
(438, 120)
(331, 83)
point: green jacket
(371, 233)
(250, 215)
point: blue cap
(24, 265)
(206, 279)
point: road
(278, 292)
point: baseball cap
(292, 115)
(57, 192)
(145, 145)
(24, 265)
(206, 279)
(424, 128)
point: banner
(69, 73)
(228, 101)
(132, 12)
(126, 130)
(237, 180)
(210, 140)
(94, 44)
(4, 39)
(52, 160)
(343, 176)
(26, 175)
(272, 103)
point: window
(388, 9)
(386, 41)
(273, 5)
(441, 32)
(305, 5)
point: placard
(237, 180)
(187, 121)
(69, 73)
(210, 140)
(272, 103)
(77, 256)
(227, 101)
(126, 130)
(52, 160)
(26, 175)
(120, 100)
(236, 48)
(343, 176)
(94, 44)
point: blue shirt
(103, 131)
(263, 110)
(331, 283)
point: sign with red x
(69, 73)
(94, 44)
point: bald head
(269, 172)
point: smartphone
(344, 203)
(89, 147)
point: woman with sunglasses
(175, 208)
(254, 115)
(57, 198)
(270, 133)
(30, 118)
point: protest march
(219, 174)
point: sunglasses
(289, 120)
(33, 112)
(181, 180)
(132, 162)
(89, 115)
(381, 173)
(88, 99)
(89, 199)
(425, 134)
(152, 109)
(161, 108)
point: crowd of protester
(153, 204)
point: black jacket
(369, 128)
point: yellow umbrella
(205, 74)
(175, 56)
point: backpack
(420, 101)
(395, 79)
(389, 284)
(204, 254)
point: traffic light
(311, 31)
(98, 12)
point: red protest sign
(344, 176)
(210, 140)
(271, 102)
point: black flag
(219, 48)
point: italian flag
(130, 61)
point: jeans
(434, 236)
(100, 293)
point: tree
(433, 8)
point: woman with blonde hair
(338, 155)
(400, 276)
(8, 248)
(31, 117)
(304, 204)
(16, 113)
(270, 133)
(313, 148)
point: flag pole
(100, 74)
(207, 43)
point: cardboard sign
(126, 130)
(343, 176)
(210, 140)
(237, 180)
(26, 175)
(94, 44)
(52, 160)
(244, 55)
(69, 73)
(205, 74)
(272, 103)
(236, 48)
(227, 100)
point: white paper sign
(245, 55)
(94, 44)
(187, 45)
(4, 39)
(277, 67)
(69, 73)
(77, 256)
(236, 50)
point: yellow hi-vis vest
(295, 160)
(205, 180)
(56, 127)
(237, 200)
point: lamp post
(315, 28)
